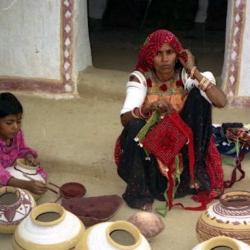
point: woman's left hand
(187, 59)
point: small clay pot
(149, 224)
(21, 170)
(15, 205)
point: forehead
(165, 46)
(12, 117)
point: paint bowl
(69, 190)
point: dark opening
(116, 38)
(48, 216)
(122, 237)
(8, 198)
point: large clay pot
(230, 216)
(22, 171)
(15, 205)
(49, 226)
(118, 235)
(222, 242)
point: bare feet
(147, 207)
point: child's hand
(31, 160)
(36, 187)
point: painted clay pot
(118, 235)
(230, 216)
(49, 226)
(15, 205)
(25, 172)
(222, 242)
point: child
(12, 145)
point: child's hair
(9, 105)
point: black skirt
(141, 173)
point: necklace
(160, 82)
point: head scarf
(152, 44)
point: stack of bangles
(138, 113)
(204, 84)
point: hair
(9, 105)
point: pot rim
(235, 199)
(125, 226)
(46, 208)
(222, 241)
(10, 189)
(21, 166)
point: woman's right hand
(148, 107)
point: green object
(162, 210)
(154, 118)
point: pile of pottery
(230, 216)
(62, 227)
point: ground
(75, 137)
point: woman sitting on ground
(167, 80)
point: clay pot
(25, 172)
(92, 210)
(118, 235)
(148, 223)
(15, 205)
(49, 226)
(230, 216)
(222, 242)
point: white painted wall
(83, 56)
(244, 89)
(229, 25)
(243, 61)
(30, 38)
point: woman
(166, 80)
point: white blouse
(137, 91)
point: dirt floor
(75, 138)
